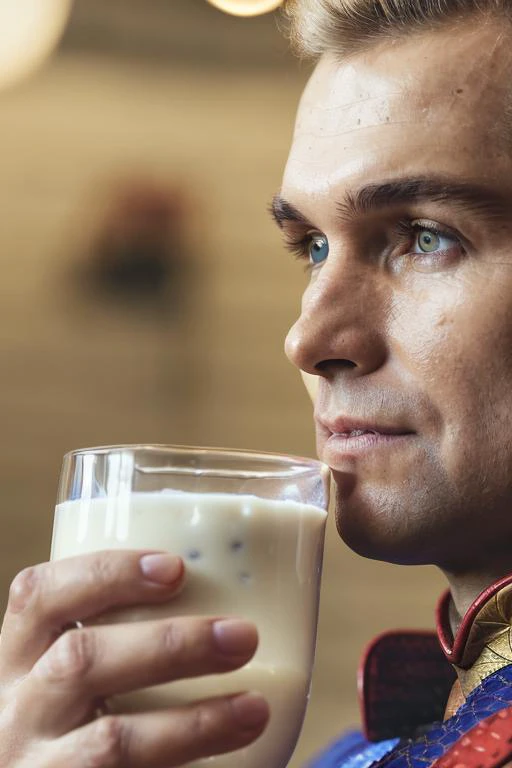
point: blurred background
(145, 294)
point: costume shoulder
(433, 700)
(477, 735)
(405, 683)
(353, 750)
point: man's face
(398, 189)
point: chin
(382, 526)
(383, 549)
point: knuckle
(71, 656)
(174, 639)
(101, 570)
(204, 724)
(23, 588)
(109, 744)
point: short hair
(343, 27)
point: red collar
(404, 678)
(456, 649)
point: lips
(341, 437)
(357, 433)
(343, 427)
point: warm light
(246, 7)
(29, 31)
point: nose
(342, 323)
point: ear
(311, 384)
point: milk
(245, 556)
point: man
(398, 193)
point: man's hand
(52, 682)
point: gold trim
(489, 644)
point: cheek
(425, 341)
(454, 338)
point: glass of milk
(250, 528)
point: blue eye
(318, 249)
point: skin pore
(398, 191)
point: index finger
(45, 598)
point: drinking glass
(250, 528)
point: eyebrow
(282, 211)
(478, 199)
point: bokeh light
(29, 31)
(246, 7)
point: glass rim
(280, 465)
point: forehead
(434, 103)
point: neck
(466, 586)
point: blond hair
(343, 27)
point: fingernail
(161, 568)
(250, 709)
(235, 637)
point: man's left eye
(425, 246)
(430, 241)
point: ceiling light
(29, 31)
(246, 7)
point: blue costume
(433, 699)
